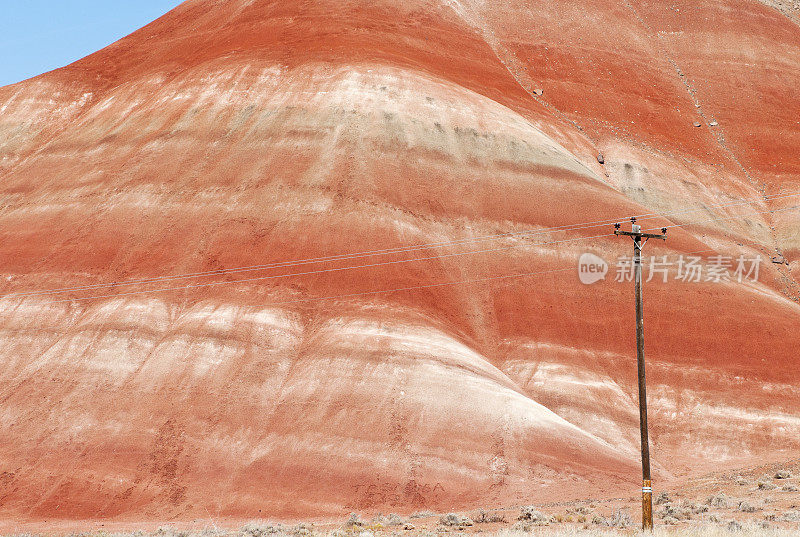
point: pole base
(647, 505)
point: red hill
(239, 134)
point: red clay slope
(241, 133)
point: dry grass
(257, 529)
(692, 531)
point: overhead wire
(458, 282)
(352, 267)
(443, 284)
(389, 251)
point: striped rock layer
(243, 133)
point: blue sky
(37, 36)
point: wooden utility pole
(647, 484)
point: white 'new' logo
(592, 268)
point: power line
(443, 284)
(372, 265)
(352, 267)
(411, 288)
(336, 269)
(387, 251)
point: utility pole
(647, 484)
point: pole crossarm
(640, 235)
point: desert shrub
(453, 519)
(521, 526)
(734, 526)
(791, 516)
(394, 520)
(697, 508)
(353, 521)
(764, 484)
(259, 529)
(663, 498)
(745, 507)
(303, 530)
(783, 474)
(718, 500)
(168, 531)
(422, 514)
(598, 520)
(378, 521)
(672, 511)
(484, 517)
(621, 519)
(530, 515)
(618, 519)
